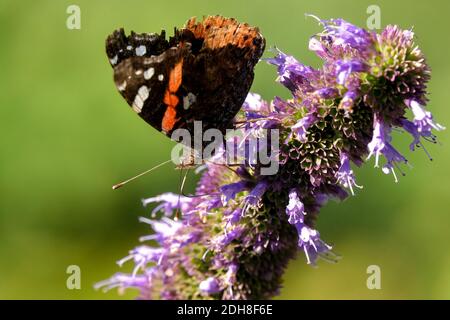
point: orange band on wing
(170, 98)
(169, 119)
(175, 77)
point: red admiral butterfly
(202, 73)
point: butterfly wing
(203, 73)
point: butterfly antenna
(182, 182)
(177, 212)
(117, 186)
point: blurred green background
(67, 136)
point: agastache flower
(292, 74)
(254, 103)
(309, 241)
(308, 238)
(327, 93)
(230, 276)
(348, 100)
(229, 191)
(254, 198)
(318, 47)
(295, 208)
(164, 228)
(343, 33)
(392, 157)
(423, 120)
(345, 68)
(378, 142)
(238, 232)
(124, 281)
(380, 145)
(301, 127)
(234, 216)
(143, 255)
(412, 129)
(170, 202)
(223, 240)
(210, 286)
(345, 174)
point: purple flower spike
(235, 236)
(210, 286)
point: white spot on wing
(141, 50)
(161, 77)
(138, 104)
(189, 100)
(154, 59)
(138, 72)
(114, 60)
(143, 92)
(129, 48)
(149, 73)
(140, 98)
(122, 86)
